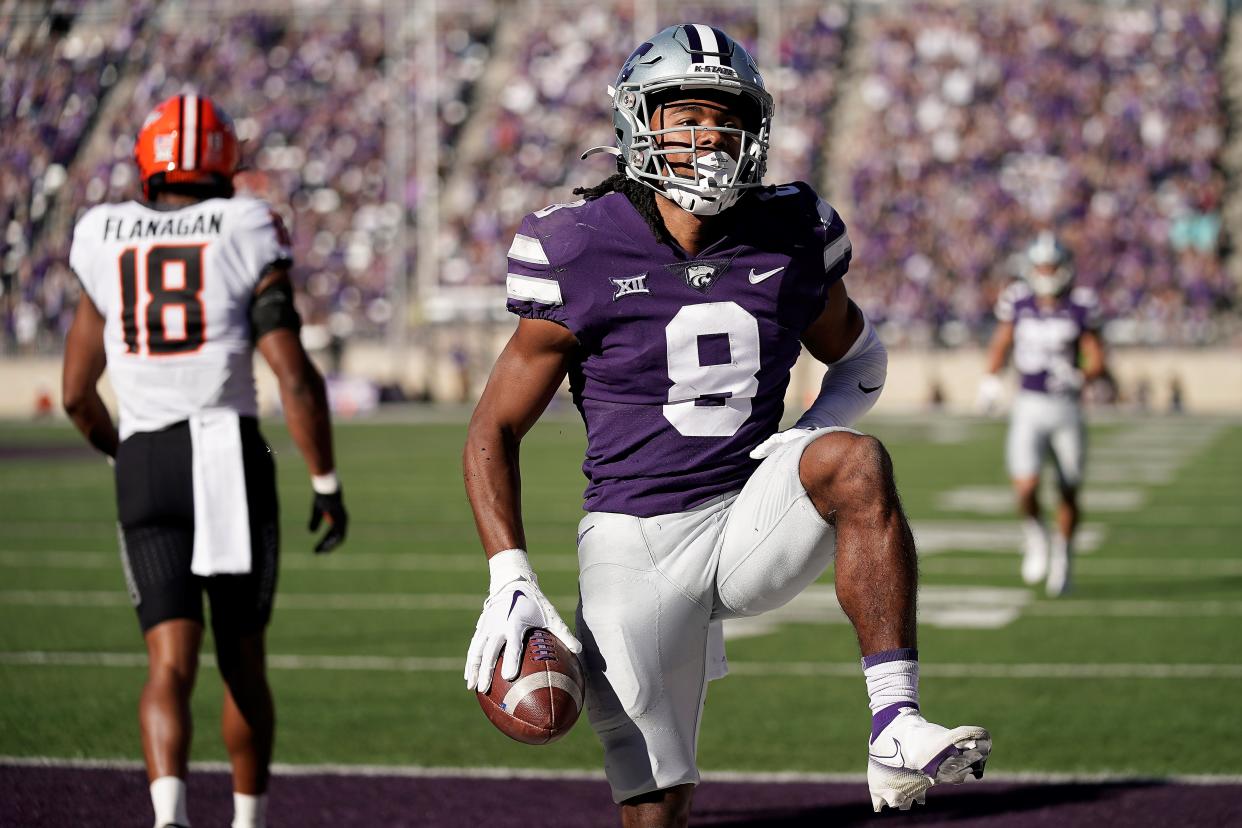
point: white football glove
(1064, 378)
(991, 389)
(779, 439)
(515, 605)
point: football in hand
(543, 702)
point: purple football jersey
(683, 361)
(1045, 340)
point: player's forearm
(1093, 360)
(998, 348)
(494, 486)
(90, 416)
(852, 384)
(310, 424)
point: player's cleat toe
(1034, 566)
(911, 754)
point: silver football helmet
(1048, 267)
(681, 58)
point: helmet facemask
(716, 179)
(1049, 268)
(683, 62)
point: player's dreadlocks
(642, 197)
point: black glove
(332, 507)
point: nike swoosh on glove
(509, 614)
(779, 439)
(332, 507)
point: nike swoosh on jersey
(867, 390)
(756, 278)
(888, 760)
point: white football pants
(1041, 425)
(653, 593)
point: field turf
(1136, 673)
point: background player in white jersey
(1051, 327)
(178, 291)
(677, 296)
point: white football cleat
(1058, 582)
(912, 754)
(1034, 554)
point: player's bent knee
(843, 465)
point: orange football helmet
(186, 139)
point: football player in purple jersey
(1051, 327)
(676, 296)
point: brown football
(543, 702)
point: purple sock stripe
(884, 716)
(903, 654)
(934, 765)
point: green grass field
(1134, 673)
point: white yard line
(849, 669)
(815, 605)
(379, 562)
(731, 776)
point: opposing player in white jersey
(178, 291)
(1051, 327)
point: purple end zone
(33, 797)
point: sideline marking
(848, 669)
(733, 776)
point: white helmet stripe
(189, 136)
(708, 39)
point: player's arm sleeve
(272, 307)
(83, 253)
(536, 285)
(258, 241)
(852, 384)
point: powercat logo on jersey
(701, 274)
(630, 286)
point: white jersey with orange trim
(175, 288)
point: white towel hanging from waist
(221, 513)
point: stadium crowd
(975, 126)
(54, 74)
(985, 123)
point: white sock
(168, 800)
(1060, 545)
(1035, 533)
(249, 811)
(892, 681)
